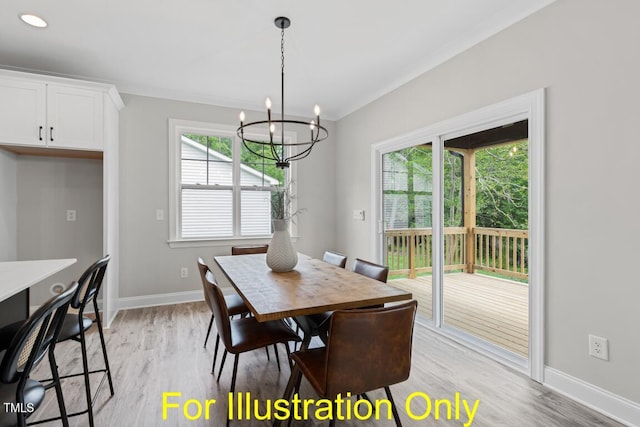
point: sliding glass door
(458, 210)
(485, 275)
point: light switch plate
(358, 214)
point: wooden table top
(313, 287)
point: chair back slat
(369, 348)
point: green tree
(502, 186)
(224, 146)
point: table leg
(294, 381)
(307, 331)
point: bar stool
(31, 340)
(76, 325)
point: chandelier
(281, 151)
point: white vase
(281, 256)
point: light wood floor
(495, 310)
(159, 349)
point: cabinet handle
(40, 133)
(51, 134)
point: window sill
(227, 241)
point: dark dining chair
(235, 306)
(249, 249)
(371, 270)
(32, 340)
(76, 325)
(317, 324)
(335, 258)
(368, 349)
(246, 333)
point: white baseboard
(159, 299)
(596, 398)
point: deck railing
(502, 251)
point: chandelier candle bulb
(241, 117)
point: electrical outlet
(184, 272)
(598, 347)
(71, 215)
(159, 215)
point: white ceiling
(339, 54)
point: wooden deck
(492, 309)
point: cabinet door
(22, 112)
(75, 118)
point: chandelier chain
(282, 50)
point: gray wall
(148, 266)
(47, 188)
(585, 52)
(8, 206)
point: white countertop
(16, 276)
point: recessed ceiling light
(33, 20)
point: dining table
(314, 286)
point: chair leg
(235, 371)
(275, 350)
(208, 331)
(215, 355)
(58, 387)
(387, 390)
(104, 347)
(286, 345)
(22, 420)
(267, 350)
(233, 380)
(85, 366)
(224, 357)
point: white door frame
(529, 106)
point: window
(220, 189)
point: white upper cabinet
(74, 118)
(51, 112)
(22, 112)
